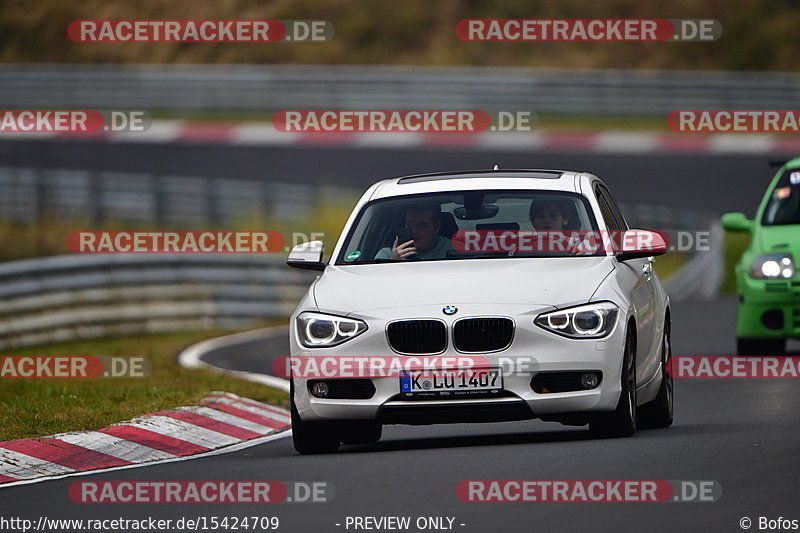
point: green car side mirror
(736, 222)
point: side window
(614, 208)
(605, 210)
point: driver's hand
(403, 251)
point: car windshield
(784, 202)
(470, 225)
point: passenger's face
(425, 230)
(548, 218)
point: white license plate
(428, 381)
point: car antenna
(496, 167)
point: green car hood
(784, 238)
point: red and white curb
(609, 141)
(222, 422)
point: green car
(766, 276)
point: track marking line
(191, 356)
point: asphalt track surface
(741, 433)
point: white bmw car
(481, 296)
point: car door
(636, 274)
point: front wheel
(658, 413)
(311, 437)
(622, 421)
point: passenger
(552, 216)
(549, 215)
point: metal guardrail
(272, 87)
(29, 193)
(703, 274)
(55, 299)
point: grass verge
(735, 245)
(47, 236)
(668, 264)
(38, 407)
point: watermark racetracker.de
(73, 121)
(200, 31)
(403, 120)
(592, 30)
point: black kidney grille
(483, 334)
(417, 336)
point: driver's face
(424, 229)
(548, 218)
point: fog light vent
(772, 319)
(589, 380)
(342, 389)
(554, 382)
(320, 389)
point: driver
(549, 215)
(425, 221)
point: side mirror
(638, 243)
(736, 222)
(307, 256)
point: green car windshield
(784, 202)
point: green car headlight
(773, 266)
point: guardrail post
(212, 194)
(158, 191)
(96, 197)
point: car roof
(499, 179)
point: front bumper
(768, 308)
(532, 351)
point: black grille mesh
(482, 334)
(418, 336)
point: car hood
(784, 238)
(558, 282)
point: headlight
(773, 266)
(590, 321)
(316, 330)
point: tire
(621, 422)
(751, 346)
(312, 437)
(658, 413)
(361, 432)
